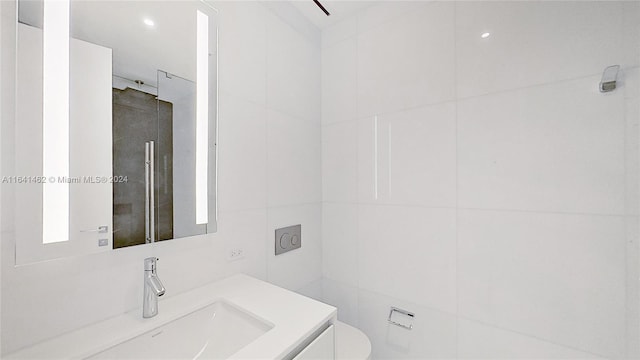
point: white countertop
(295, 318)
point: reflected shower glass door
(137, 118)
(177, 180)
(152, 126)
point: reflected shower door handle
(152, 217)
(147, 163)
(149, 204)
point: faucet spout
(153, 288)
(156, 286)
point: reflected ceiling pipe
(321, 7)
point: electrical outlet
(236, 254)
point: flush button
(287, 239)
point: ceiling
(339, 9)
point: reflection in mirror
(124, 133)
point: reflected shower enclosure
(152, 126)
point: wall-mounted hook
(609, 78)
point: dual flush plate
(288, 238)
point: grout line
(536, 85)
(466, 318)
(457, 194)
(456, 99)
(284, 206)
(457, 316)
(267, 33)
(568, 213)
(626, 226)
(505, 210)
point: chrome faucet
(153, 288)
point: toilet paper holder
(397, 315)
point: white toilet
(351, 343)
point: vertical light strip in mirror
(202, 117)
(55, 121)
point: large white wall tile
(556, 148)
(242, 50)
(344, 297)
(300, 267)
(433, 335)
(368, 161)
(339, 82)
(382, 12)
(339, 31)
(340, 162)
(479, 341)
(409, 157)
(293, 75)
(633, 286)
(557, 277)
(534, 42)
(340, 242)
(408, 253)
(312, 290)
(242, 179)
(294, 160)
(631, 33)
(399, 70)
(244, 230)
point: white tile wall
(496, 187)
(408, 253)
(432, 336)
(294, 156)
(532, 44)
(557, 277)
(479, 341)
(341, 30)
(339, 80)
(557, 148)
(297, 268)
(344, 297)
(293, 79)
(243, 48)
(412, 156)
(242, 155)
(398, 70)
(630, 33)
(340, 162)
(269, 109)
(340, 242)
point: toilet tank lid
(351, 343)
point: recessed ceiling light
(485, 35)
(148, 22)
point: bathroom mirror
(116, 126)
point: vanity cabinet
(322, 347)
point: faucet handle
(150, 263)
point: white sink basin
(215, 331)
(235, 318)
